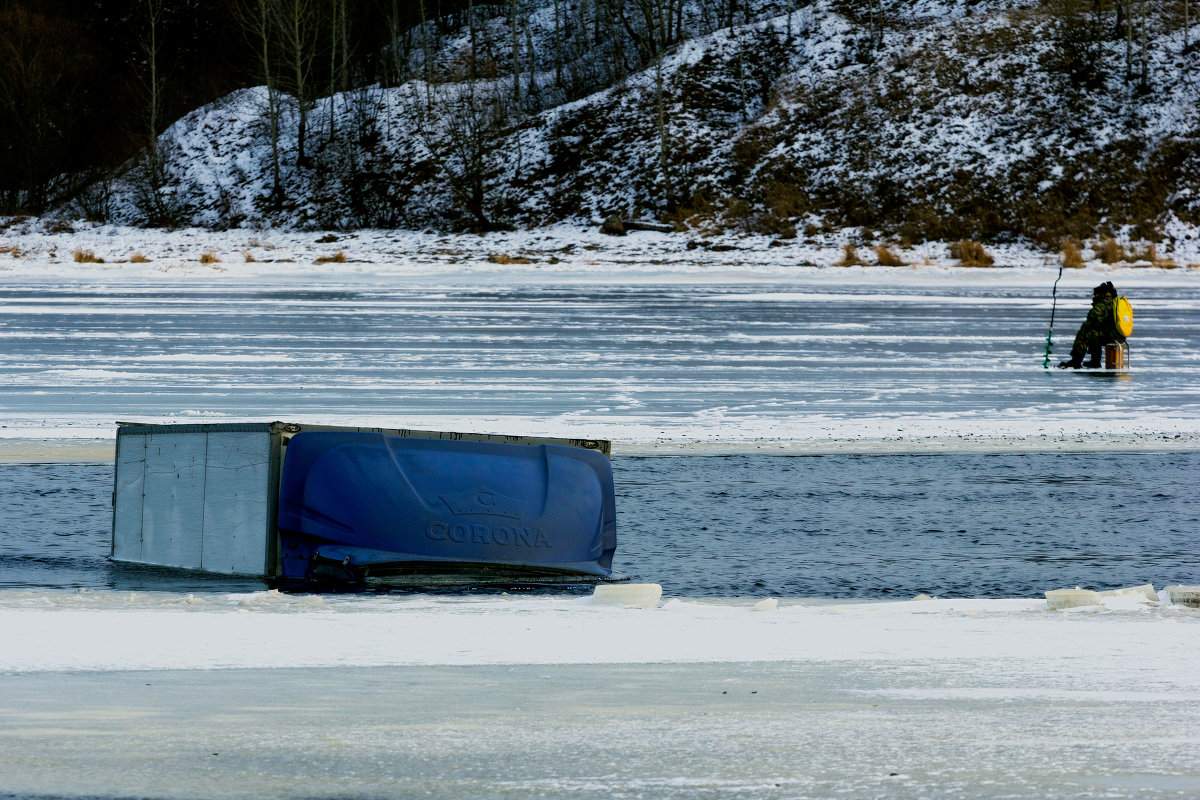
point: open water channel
(878, 526)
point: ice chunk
(1071, 598)
(1146, 590)
(770, 604)
(1185, 595)
(634, 595)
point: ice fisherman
(1097, 330)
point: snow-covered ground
(564, 253)
(268, 696)
(109, 630)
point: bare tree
(297, 25)
(42, 62)
(339, 58)
(514, 25)
(153, 78)
(154, 170)
(257, 19)
(1079, 38)
(1187, 26)
(461, 125)
(558, 46)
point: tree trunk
(513, 25)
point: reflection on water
(818, 526)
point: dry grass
(1111, 251)
(138, 258)
(971, 254)
(849, 257)
(11, 249)
(249, 257)
(736, 209)
(501, 258)
(1072, 255)
(887, 257)
(784, 198)
(82, 256)
(698, 208)
(337, 258)
(209, 257)
(1147, 255)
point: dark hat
(1105, 288)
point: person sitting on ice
(1097, 330)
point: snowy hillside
(939, 119)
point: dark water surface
(976, 525)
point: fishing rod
(1053, 307)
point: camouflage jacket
(1099, 328)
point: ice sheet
(723, 352)
(128, 630)
(903, 731)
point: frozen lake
(678, 732)
(122, 683)
(802, 361)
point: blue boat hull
(355, 504)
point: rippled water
(816, 526)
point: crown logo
(483, 501)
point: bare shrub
(887, 257)
(1111, 251)
(736, 209)
(1072, 255)
(699, 206)
(1148, 254)
(138, 258)
(209, 257)
(971, 254)
(85, 256)
(849, 257)
(784, 198)
(337, 258)
(501, 258)
(772, 224)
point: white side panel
(173, 511)
(236, 503)
(127, 505)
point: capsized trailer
(296, 502)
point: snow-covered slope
(941, 118)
